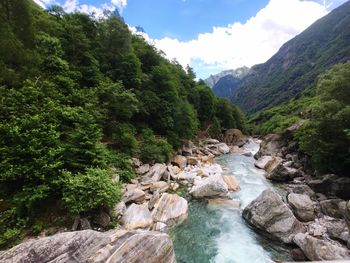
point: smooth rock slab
(269, 214)
(170, 208)
(137, 216)
(263, 161)
(318, 249)
(116, 246)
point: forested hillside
(79, 97)
(325, 108)
(297, 64)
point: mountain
(297, 64)
(238, 73)
(226, 86)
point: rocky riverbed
(311, 216)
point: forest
(79, 97)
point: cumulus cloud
(249, 43)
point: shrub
(154, 149)
(85, 192)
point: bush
(124, 137)
(154, 149)
(85, 192)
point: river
(219, 234)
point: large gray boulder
(264, 161)
(319, 249)
(268, 213)
(337, 229)
(282, 173)
(212, 186)
(116, 246)
(170, 208)
(137, 216)
(302, 206)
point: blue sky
(213, 35)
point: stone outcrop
(318, 249)
(92, 246)
(137, 216)
(302, 206)
(170, 208)
(212, 186)
(281, 173)
(264, 161)
(269, 214)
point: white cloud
(120, 4)
(70, 5)
(249, 43)
(44, 3)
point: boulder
(264, 161)
(213, 186)
(84, 224)
(337, 229)
(180, 161)
(155, 173)
(212, 141)
(137, 216)
(331, 208)
(281, 173)
(187, 148)
(302, 189)
(174, 186)
(302, 206)
(143, 169)
(170, 208)
(268, 213)
(331, 185)
(160, 186)
(318, 249)
(271, 145)
(231, 182)
(223, 148)
(134, 196)
(92, 246)
(192, 160)
(235, 137)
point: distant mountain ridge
(297, 64)
(293, 68)
(238, 73)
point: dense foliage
(297, 64)
(326, 107)
(78, 97)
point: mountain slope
(297, 64)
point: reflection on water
(213, 234)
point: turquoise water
(214, 234)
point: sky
(212, 35)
